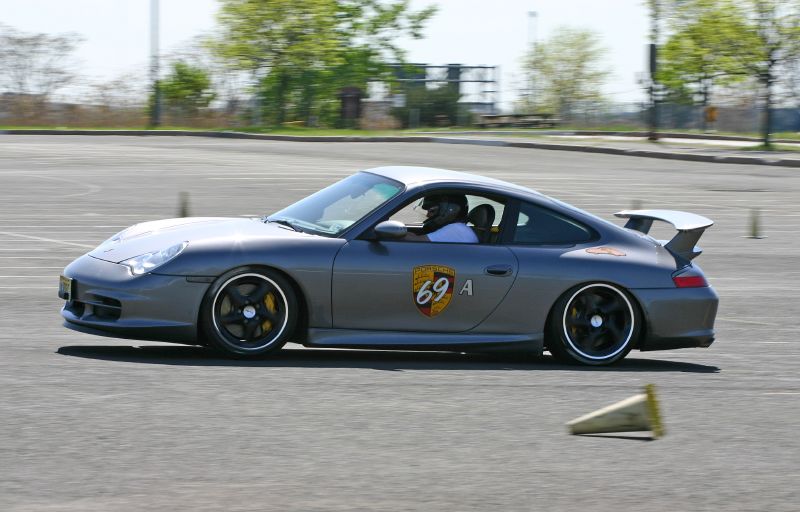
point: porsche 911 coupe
(356, 265)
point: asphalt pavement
(98, 424)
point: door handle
(499, 270)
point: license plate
(65, 288)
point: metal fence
(31, 111)
(679, 117)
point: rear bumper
(678, 318)
(109, 301)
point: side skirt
(397, 340)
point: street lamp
(155, 111)
(533, 17)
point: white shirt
(455, 232)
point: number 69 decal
(432, 288)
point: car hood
(161, 234)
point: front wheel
(249, 312)
(594, 324)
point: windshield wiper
(284, 222)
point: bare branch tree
(35, 64)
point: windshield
(332, 210)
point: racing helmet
(444, 209)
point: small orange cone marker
(635, 414)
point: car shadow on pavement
(626, 438)
(372, 359)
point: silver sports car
(352, 266)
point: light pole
(655, 20)
(533, 17)
(155, 111)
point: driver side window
(483, 216)
(412, 214)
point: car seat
(482, 217)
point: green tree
(187, 88)
(434, 106)
(775, 28)
(568, 72)
(722, 41)
(301, 53)
(711, 45)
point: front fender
(307, 261)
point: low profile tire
(249, 312)
(594, 324)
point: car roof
(414, 176)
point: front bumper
(678, 318)
(108, 300)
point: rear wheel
(594, 324)
(249, 312)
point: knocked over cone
(635, 414)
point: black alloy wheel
(594, 324)
(250, 312)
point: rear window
(540, 226)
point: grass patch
(244, 129)
(318, 132)
(352, 132)
(101, 128)
(771, 147)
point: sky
(471, 32)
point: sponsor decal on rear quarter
(605, 250)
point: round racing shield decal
(432, 288)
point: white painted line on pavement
(86, 216)
(92, 188)
(48, 276)
(38, 268)
(42, 239)
(54, 257)
(15, 240)
(274, 178)
(56, 226)
(736, 320)
(27, 287)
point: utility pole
(532, 34)
(533, 16)
(155, 111)
(655, 19)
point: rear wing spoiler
(690, 228)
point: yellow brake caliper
(269, 302)
(573, 313)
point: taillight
(690, 281)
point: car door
(419, 286)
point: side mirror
(390, 230)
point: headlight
(152, 260)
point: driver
(446, 220)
